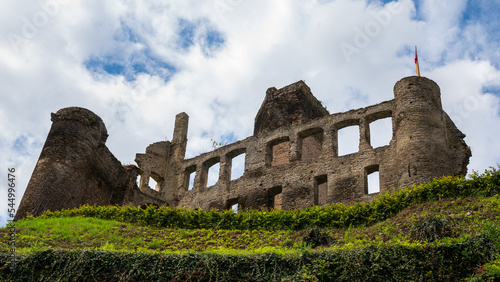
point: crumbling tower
(426, 138)
(162, 161)
(75, 167)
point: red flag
(416, 62)
(416, 58)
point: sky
(137, 64)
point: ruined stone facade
(291, 161)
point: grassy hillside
(447, 229)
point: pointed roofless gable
(292, 104)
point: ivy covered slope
(445, 230)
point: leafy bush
(332, 216)
(442, 260)
(317, 237)
(431, 262)
(430, 228)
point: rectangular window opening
(153, 184)
(348, 140)
(372, 180)
(381, 132)
(138, 181)
(155, 181)
(190, 175)
(321, 190)
(213, 174)
(232, 204)
(276, 198)
(238, 166)
(280, 153)
(234, 208)
(191, 180)
(311, 146)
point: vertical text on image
(11, 199)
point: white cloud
(264, 44)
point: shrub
(392, 262)
(316, 237)
(335, 215)
(430, 228)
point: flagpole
(416, 62)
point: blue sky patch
(479, 10)
(418, 8)
(111, 68)
(493, 89)
(199, 32)
(130, 63)
(405, 51)
(213, 41)
(127, 62)
(186, 32)
(228, 138)
(126, 34)
(140, 62)
(22, 145)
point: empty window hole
(234, 207)
(348, 140)
(381, 132)
(153, 184)
(192, 175)
(373, 182)
(213, 174)
(237, 166)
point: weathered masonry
(291, 161)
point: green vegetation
(216, 145)
(98, 234)
(447, 229)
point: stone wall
(291, 161)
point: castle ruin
(291, 161)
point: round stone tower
(420, 131)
